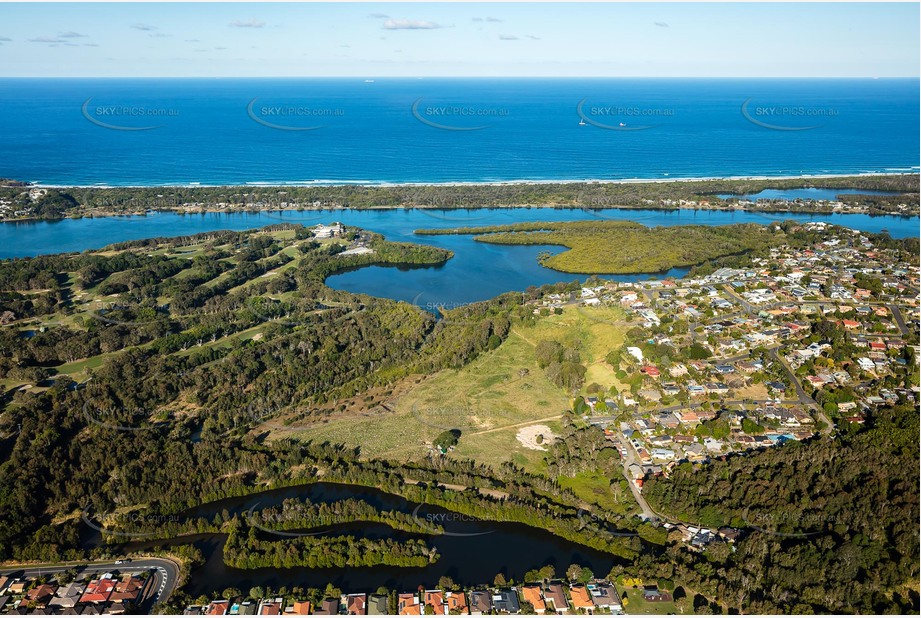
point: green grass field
(489, 400)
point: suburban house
(68, 596)
(480, 602)
(581, 598)
(328, 607)
(456, 602)
(98, 590)
(218, 608)
(435, 600)
(270, 607)
(377, 605)
(506, 602)
(604, 596)
(408, 605)
(355, 604)
(532, 594)
(557, 596)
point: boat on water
(582, 122)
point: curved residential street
(164, 574)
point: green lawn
(636, 604)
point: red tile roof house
(218, 608)
(40, 595)
(457, 602)
(355, 604)
(651, 370)
(532, 595)
(581, 598)
(436, 600)
(98, 591)
(408, 605)
(128, 589)
(270, 608)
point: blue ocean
(302, 131)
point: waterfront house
(604, 596)
(328, 607)
(355, 604)
(434, 599)
(377, 605)
(581, 598)
(506, 602)
(218, 608)
(270, 607)
(302, 608)
(480, 603)
(532, 594)
(456, 602)
(408, 605)
(557, 597)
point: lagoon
(478, 271)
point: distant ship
(369, 81)
(623, 124)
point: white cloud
(252, 22)
(379, 15)
(508, 37)
(70, 34)
(145, 27)
(661, 24)
(410, 24)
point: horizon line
(364, 76)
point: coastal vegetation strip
(24, 201)
(625, 247)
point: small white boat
(582, 122)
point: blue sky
(460, 39)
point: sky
(459, 40)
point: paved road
(899, 320)
(164, 574)
(630, 459)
